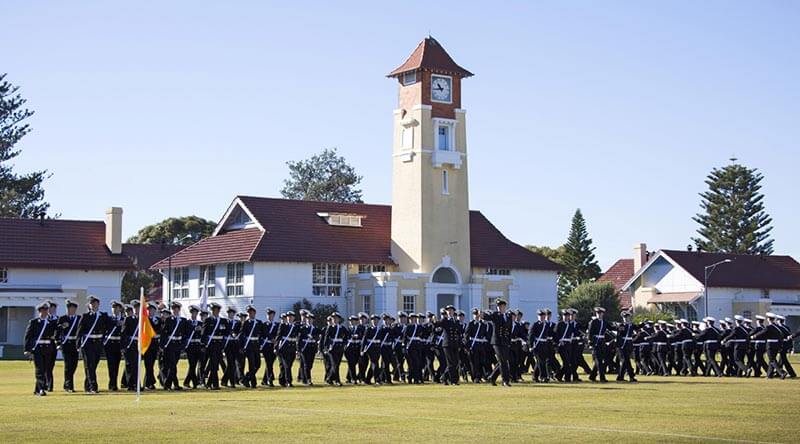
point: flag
(204, 292)
(146, 331)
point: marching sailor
(68, 338)
(40, 339)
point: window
(367, 303)
(367, 268)
(208, 279)
(409, 303)
(498, 271)
(234, 279)
(747, 314)
(492, 303)
(691, 313)
(409, 78)
(407, 138)
(345, 220)
(764, 293)
(327, 279)
(180, 283)
(445, 275)
(443, 136)
(3, 275)
(445, 183)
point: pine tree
(733, 218)
(20, 195)
(578, 258)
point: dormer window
(408, 78)
(239, 220)
(342, 219)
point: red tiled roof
(57, 244)
(746, 271)
(144, 256)
(618, 275)
(489, 248)
(430, 56)
(235, 246)
(295, 233)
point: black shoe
(634, 380)
(506, 384)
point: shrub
(585, 297)
(641, 314)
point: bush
(641, 314)
(586, 297)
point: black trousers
(566, 371)
(352, 354)
(150, 357)
(784, 361)
(286, 356)
(42, 358)
(387, 362)
(269, 363)
(503, 355)
(477, 358)
(193, 354)
(739, 352)
(92, 350)
(540, 372)
(415, 356)
(335, 359)
(759, 363)
(307, 353)
(113, 359)
(70, 354)
(50, 366)
(688, 366)
(515, 359)
(172, 354)
(131, 364)
(599, 362)
(373, 354)
(400, 363)
(231, 375)
(214, 356)
(451, 357)
(253, 363)
(773, 355)
(624, 357)
(711, 362)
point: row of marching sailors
(684, 348)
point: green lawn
(657, 409)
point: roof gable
(57, 244)
(744, 271)
(293, 231)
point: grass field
(655, 410)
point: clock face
(440, 89)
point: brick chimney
(639, 256)
(114, 230)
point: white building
(423, 252)
(737, 284)
(55, 259)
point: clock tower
(430, 201)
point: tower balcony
(443, 157)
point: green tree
(733, 219)
(20, 195)
(175, 230)
(324, 177)
(585, 297)
(554, 254)
(578, 258)
(132, 281)
(320, 311)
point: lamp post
(708, 270)
(175, 241)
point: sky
(618, 108)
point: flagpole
(139, 346)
